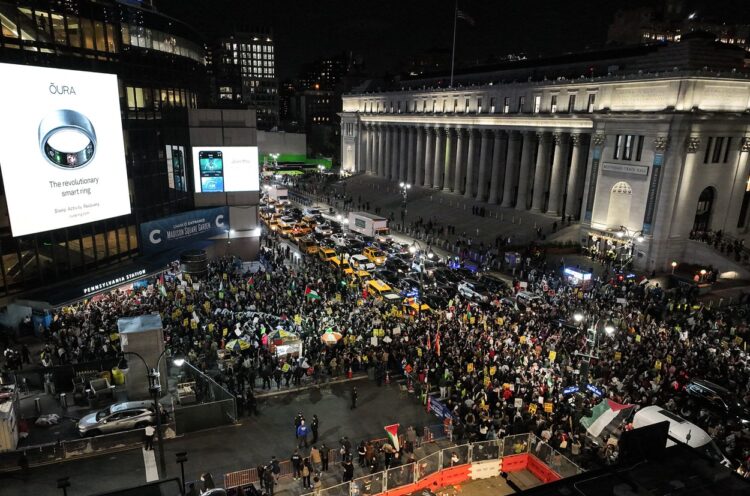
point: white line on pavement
(149, 460)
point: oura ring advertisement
(66, 165)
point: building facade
(654, 156)
(160, 64)
(243, 68)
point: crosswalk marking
(149, 460)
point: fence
(404, 475)
(77, 448)
(214, 407)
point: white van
(682, 430)
(528, 299)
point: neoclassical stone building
(660, 154)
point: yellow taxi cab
(342, 265)
(378, 287)
(299, 230)
(362, 275)
(307, 245)
(374, 255)
(412, 307)
(326, 254)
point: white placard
(61, 148)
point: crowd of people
(479, 358)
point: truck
(278, 194)
(370, 225)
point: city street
(253, 441)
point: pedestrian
(261, 471)
(208, 482)
(296, 464)
(361, 451)
(348, 470)
(314, 427)
(315, 458)
(269, 480)
(317, 486)
(275, 467)
(324, 458)
(306, 473)
(148, 442)
(354, 398)
(302, 435)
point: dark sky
(386, 32)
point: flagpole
(453, 52)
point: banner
(439, 408)
(171, 232)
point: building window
(391, 107)
(553, 104)
(492, 105)
(424, 106)
(625, 144)
(537, 103)
(455, 105)
(618, 146)
(592, 100)
(639, 150)
(521, 103)
(434, 104)
(466, 106)
(571, 104)
(398, 107)
(506, 105)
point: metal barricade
(399, 476)
(457, 455)
(367, 485)
(338, 490)
(428, 465)
(486, 450)
(516, 444)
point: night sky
(386, 32)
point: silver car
(118, 417)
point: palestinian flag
(392, 431)
(605, 419)
(311, 293)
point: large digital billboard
(61, 148)
(225, 168)
(176, 177)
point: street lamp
(674, 266)
(64, 484)
(181, 459)
(632, 237)
(154, 387)
(405, 187)
(592, 343)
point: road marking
(149, 460)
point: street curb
(311, 386)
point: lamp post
(154, 387)
(674, 266)
(181, 459)
(405, 187)
(632, 237)
(592, 344)
(64, 484)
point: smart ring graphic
(67, 139)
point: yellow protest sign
(207, 306)
(298, 319)
(224, 276)
(552, 356)
(190, 308)
(618, 356)
(185, 322)
(669, 359)
(193, 324)
(637, 338)
(548, 407)
(210, 328)
(522, 339)
(532, 408)
(470, 367)
(224, 331)
(493, 370)
(657, 365)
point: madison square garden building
(160, 68)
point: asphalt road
(242, 446)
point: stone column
(393, 169)
(540, 172)
(364, 164)
(524, 173)
(437, 169)
(557, 177)
(483, 182)
(403, 138)
(738, 189)
(450, 158)
(511, 167)
(374, 151)
(499, 149)
(410, 163)
(577, 168)
(470, 163)
(459, 173)
(429, 155)
(419, 160)
(385, 149)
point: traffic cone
(349, 373)
(387, 377)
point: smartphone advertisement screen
(225, 168)
(61, 148)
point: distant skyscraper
(243, 67)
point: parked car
(118, 417)
(361, 262)
(473, 291)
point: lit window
(537, 103)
